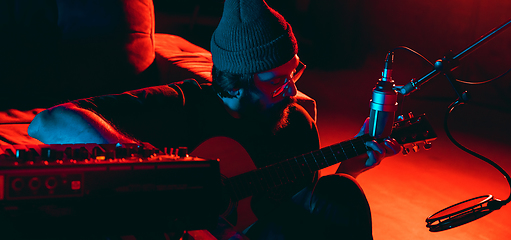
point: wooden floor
(404, 190)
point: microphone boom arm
(448, 63)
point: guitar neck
(294, 169)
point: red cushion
(140, 44)
(115, 29)
(14, 124)
(106, 45)
(178, 59)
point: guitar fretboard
(293, 169)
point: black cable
(414, 52)
(486, 81)
(495, 165)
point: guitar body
(234, 160)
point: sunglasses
(284, 81)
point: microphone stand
(450, 62)
(472, 209)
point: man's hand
(67, 123)
(355, 166)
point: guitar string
(282, 180)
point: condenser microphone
(383, 102)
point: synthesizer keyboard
(121, 188)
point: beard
(274, 117)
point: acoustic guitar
(241, 179)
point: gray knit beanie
(251, 37)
